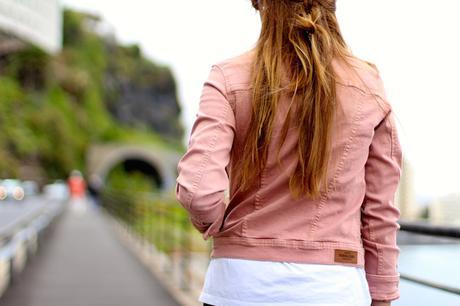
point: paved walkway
(82, 263)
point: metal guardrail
(161, 222)
(20, 227)
(13, 225)
(430, 284)
(165, 228)
(434, 230)
(420, 227)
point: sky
(414, 43)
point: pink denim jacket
(354, 224)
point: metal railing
(165, 230)
(20, 229)
(164, 227)
(433, 230)
(425, 228)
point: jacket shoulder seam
(228, 93)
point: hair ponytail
(298, 39)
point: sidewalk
(82, 263)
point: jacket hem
(321, 252)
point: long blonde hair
(298, 39)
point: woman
(303, 133)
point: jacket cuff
(208, 229)
(383, 287)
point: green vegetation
(53, 107)
(134, 182)
(155, 217)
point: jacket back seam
(333, 181)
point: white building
(36, 22)
(446, 210)
(405, 195)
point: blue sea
(438, 263)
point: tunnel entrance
(134, 166)
(138, 165)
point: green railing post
(185, 255)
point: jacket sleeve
(202, 177)
(379, 214)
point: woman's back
(265, 222)
(352, 223)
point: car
(57, 190)
(3, 193)
(11, 189)
(30, 188)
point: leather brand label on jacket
(345, 256)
